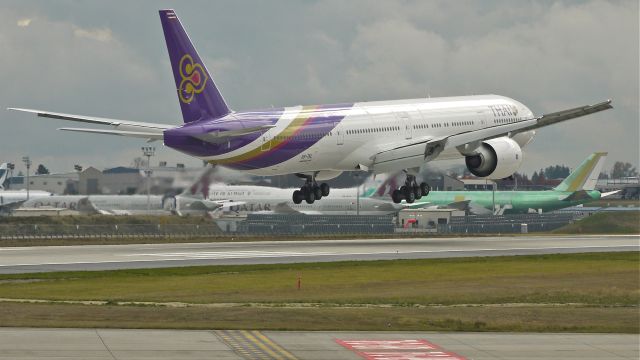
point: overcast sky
(108, 58)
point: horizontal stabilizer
(138, 134)
(603, 195)
(93, 119)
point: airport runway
(104, 257)
(99, 344)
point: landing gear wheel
(325, 189)
(309, 197)
(409, 196)
(317, 192)
(396, 196)
(417, 192)
(425, 188)
(298, 196)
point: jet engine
(495, 159)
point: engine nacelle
(495, 159)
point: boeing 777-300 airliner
(319, 142)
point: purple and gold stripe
(311, 125)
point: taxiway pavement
(99, 344)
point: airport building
(119, 180)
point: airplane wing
(429, 148)
(7, 208)
(209, 205)
(284, 208)
(93, 119)
(471, 139)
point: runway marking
(275, 346)
(246, 255)
(253, 345)
(409, 349)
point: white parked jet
(264, 199)
(321, 141)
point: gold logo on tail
(193, 79)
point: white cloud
(24, 22)
(103, 34)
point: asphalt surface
(106, 257)
(99, 344)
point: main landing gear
(310, 191)
(410, 191)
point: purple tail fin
(198, 95)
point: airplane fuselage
(260, 199)
(342, 137)
(510, 201)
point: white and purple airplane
(319, 142)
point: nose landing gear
(410, 191)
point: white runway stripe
(234, 254)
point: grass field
(627, 222)
(595, 292)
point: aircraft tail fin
(198, 95)
(3, 175)
(372, 185)
(585, 176)
(200, 188)
(388, 183)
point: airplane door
(339, 134)
(405, 122)
(266, 141)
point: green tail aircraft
(578, 188)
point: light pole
(10, 167)
(357, 177)
(148, 151)
(27, 163)
(493, 196)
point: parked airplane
(202, 197)
(122, 204)
(319, 142)
(263, 199)
(187, 202)
(578, 188)
(12, 198)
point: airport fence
(295, 224)
(499, 224)
(44, 231)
